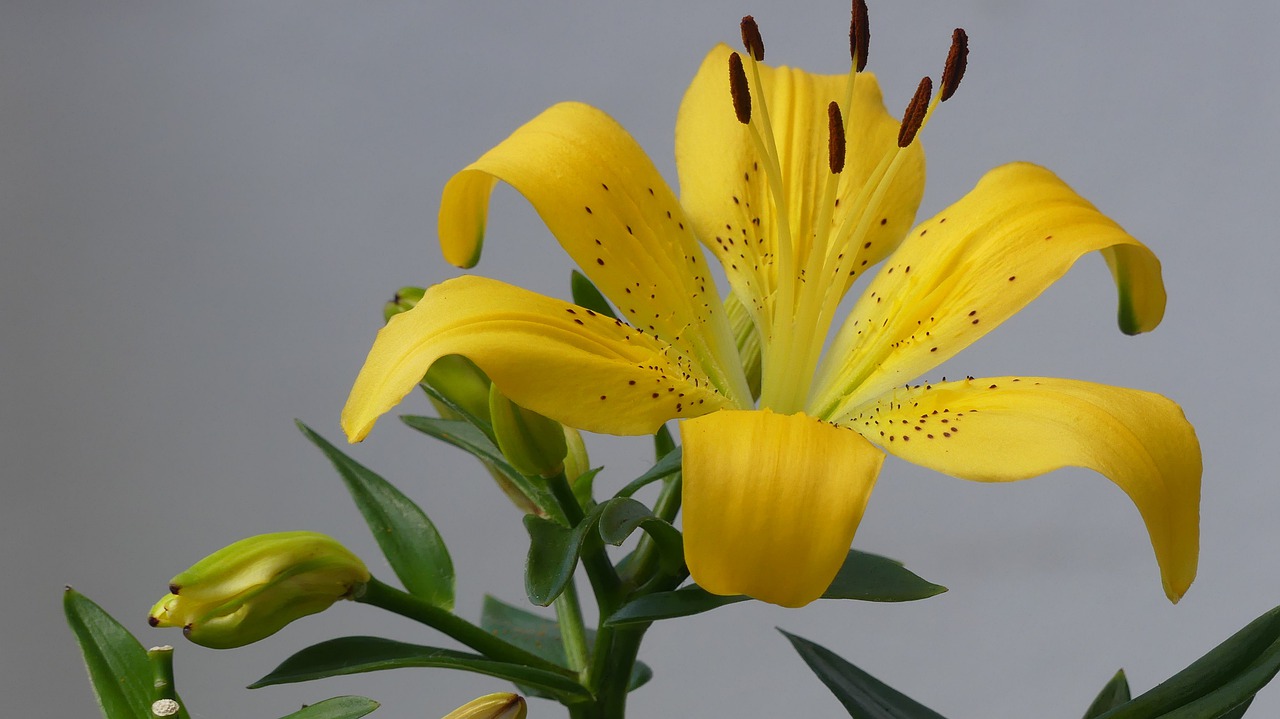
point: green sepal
(587, 296)
(356, 655)
(862, 695)
(665, 467)
(408, 539)
(348, 707)
(472, 440)
(541, 636)
(864, 577)
(118, 667)
(554, 549)
(1115, 693)
(1219, 684)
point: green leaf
(663, 442)
(485, 428)
(354, 655)
(541, 636)
(862, 695)
(553, 555)
(407, 537)
(1217, 685)
(621, 516)
(470, 439)
(873, 578)
(348, 707)
(865, 577)
(1115, 693)
(117, 663)
(665, 467)
(586, 295)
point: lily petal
(1004, 429)
(725, 190)
(606, 204)
(971, 267)
(562, 361)
(771, 502)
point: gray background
(203, 207)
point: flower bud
(502, 705)
(405, 299)
(577, 466)
(463, 383)
(533, 444)
(250, 589)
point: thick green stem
(165, 703)
(604, 579)
(573, 632)
(385, 596)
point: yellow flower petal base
(771, 502)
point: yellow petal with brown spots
(606, 204)
(971, 267)
(573, 365)
(771, 502)
(1005, 429)
(723, 184)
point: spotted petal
(606, 204)
(1004, 429)
(723, 183)
(560, 360)
(975, 264)
(771, 502)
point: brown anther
(913, 116)
(859, 35)
(739, 90)
(835, 139)
(751, 39)
(957, 61)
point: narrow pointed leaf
(407, 537)
(865, 577)
(472, 440)
(1115, 693)
(553, 555)
(1217, 683)
(541, 636)
(354, 655)
(485, 428)
(665, 467)
(862, 695)
(348, 707)
(117, 663)
(586, 295)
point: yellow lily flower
(799, 184)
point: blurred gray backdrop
(204, 205)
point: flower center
(814, 268)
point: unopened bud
(462, 383)
(251, 589)
(577, 466)
(502, 705)
(533, 444)
(405, 299)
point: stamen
(835, 138)
(859, 35)
(913, 116)
(957, 61)
(739, 90)
(751, 39)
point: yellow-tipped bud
(533, 444)
(405, 299)
(251, 589)
(502, 705)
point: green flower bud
(465, 384)
(249, 590)
(533, 444)
(577, 466)
(502, 705)
(406, 298)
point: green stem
(162, 691)
(385, 596)
(604, 579)
(611, 697)
(573, 632)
